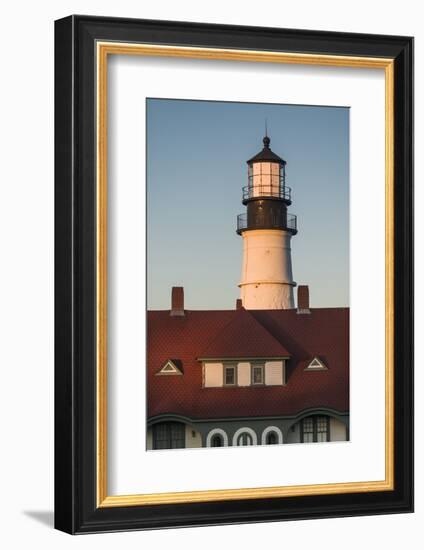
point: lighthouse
(266, 228)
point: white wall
(193, 437)
(149, 439)
(293, 435)
(26, 289)
(337, 430)
(266, 273)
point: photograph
(247, 274)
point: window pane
(322, 424)
(308, 430)
(177, 436)
(322, 428)
(160, 436)
(308, 425)
(230, 375)
(217, 441)
(258, 375)
(169, 435)
(161, 431)
(271, 438)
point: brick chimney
(177, 301)
(303, 299)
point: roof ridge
(261, 325)
(224, 327)
(221, 338)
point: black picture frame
(76, 510)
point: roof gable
(316, 364)
(172, 367)
(243, 337)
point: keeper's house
(264, 373)
(240, 377)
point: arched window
(169, 435)
(217, 438)
(217, 441)
(271, 438)
(272, 435)
(245, 436)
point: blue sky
(196, 168)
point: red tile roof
(243, 337)
(323, 333)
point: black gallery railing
(289, 223)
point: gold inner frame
(104, 49)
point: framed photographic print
(233, 221)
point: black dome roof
(266, 154)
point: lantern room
(267, 176)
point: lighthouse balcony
(286, 223)
(274, 189)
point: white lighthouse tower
(267, 229)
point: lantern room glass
(266, 179)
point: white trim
(216, 431)
(272, 429)
(245, 430)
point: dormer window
(243, 373)
(316, 364)
(171, 367)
